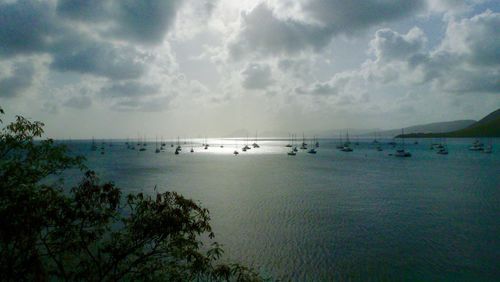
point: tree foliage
(90, 232)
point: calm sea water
(361, 215)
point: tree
(90, 232)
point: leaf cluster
(90, 232)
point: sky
(195, 68)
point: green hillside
(489, 126)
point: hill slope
(489, 126)
(435, 127)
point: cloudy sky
(120, 68)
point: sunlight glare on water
(334, 215)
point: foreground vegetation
(91, 232)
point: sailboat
(347, 144)
(255, 145)
(375, 141)
(289, 145)
(179, 148)
(402, 153)
(340, 145)
(293, 151)
(236, 150)
(246, 147)
(142, 149)
(94, 146)
(303, 146)
(442, 149)
(206, 144)
(489, 148)
(477, 146)
(130, 144)
(293, 144)
(132, 147)
(162, 144)
(156, 144)
(313, 150)
(379, 147)
(192, 146)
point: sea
(364, 215)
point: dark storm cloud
(257, 76)
(144, 22)
(25, 27)
(84, 10)
(21, 78)
(350, 16)
(136, 96)
(263, 32)
(29, 26)
(97, 58)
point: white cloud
(265, 31)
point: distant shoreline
(443, 135)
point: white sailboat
(313, 150)
(477, 146)
(347, 144)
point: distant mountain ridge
(489, 126)
(435, 127)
